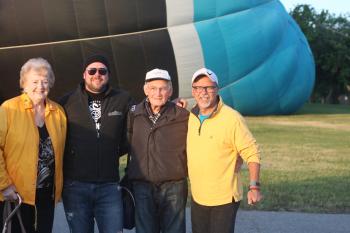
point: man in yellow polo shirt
(217, 137)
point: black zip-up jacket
(90, 157)
(158, 153)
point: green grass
(305, 160)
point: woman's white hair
(37, 64)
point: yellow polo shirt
(212, 151)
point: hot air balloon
(261, 57)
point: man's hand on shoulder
(181, 102)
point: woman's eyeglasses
(101, 71)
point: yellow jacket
(212, 151)
(19, 145)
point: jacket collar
(166, 110)
(28, 104)
(195, 109)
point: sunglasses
(101, 71)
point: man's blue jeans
(160, 208)
(85, 202)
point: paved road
(261, 222)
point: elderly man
(157, 132)
(217, 136)
(96, 115)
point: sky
(333, 6)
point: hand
(239, 163)
(9, 193)
(180, 102)
(254, 196)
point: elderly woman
(32, 137)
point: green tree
(329, 39)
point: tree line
(329, 38)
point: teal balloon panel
(261, 57)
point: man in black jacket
(96, 117)
(158, 166)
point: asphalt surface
(260, 222)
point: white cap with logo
(206, 72)
(157, 74)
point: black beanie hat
(96, 58)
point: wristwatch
(254, 183)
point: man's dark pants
(161, 208)
(213, 219)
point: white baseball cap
(157, 74)
(204, 71)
